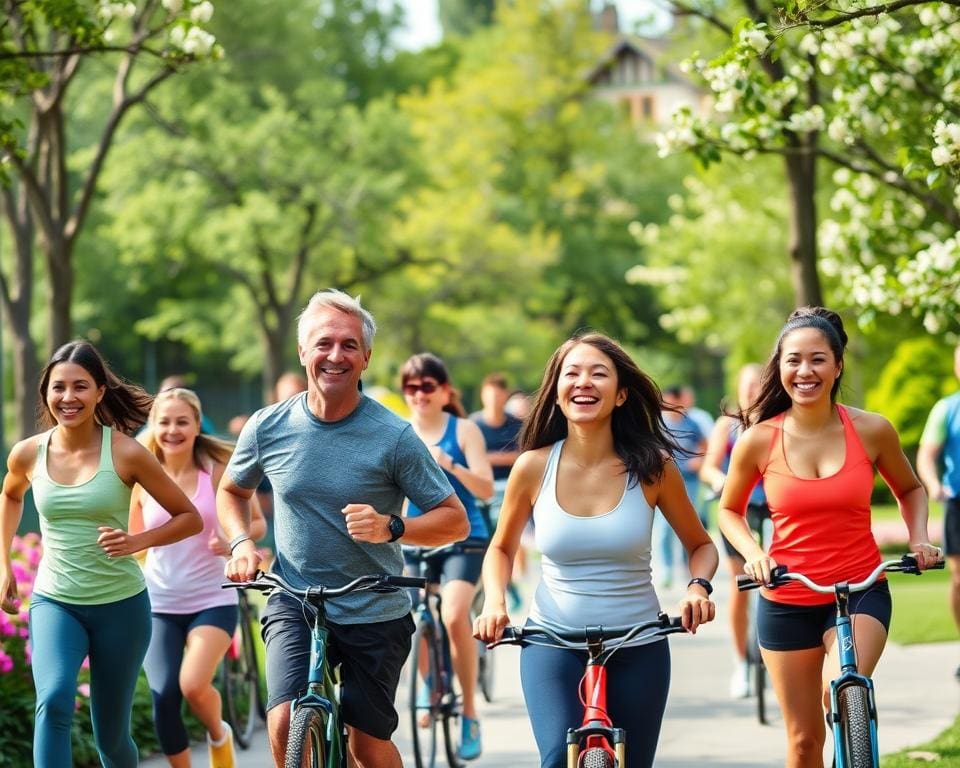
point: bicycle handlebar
(267, 582)
(578, 639)
(458, 548)
(781, 575)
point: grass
(943, 751)
(920, 610)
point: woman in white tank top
(595, 464)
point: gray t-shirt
(316, 468)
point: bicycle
(756, 670)
(485, 658)
(597, 743)
(317, 737)
(431, 668)
(853, 710)
(243, 699)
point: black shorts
(782, 627)
(372, 656)
(951, 526)
(757, 515)
(457, 566)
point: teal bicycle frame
(315, 726)
(853, 710)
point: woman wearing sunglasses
(458, 446)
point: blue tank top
(449, 445)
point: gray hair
(332, 298)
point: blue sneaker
(470, 746)
(425, 693)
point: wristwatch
(396, 527)
(701, 582)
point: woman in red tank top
(816, 459)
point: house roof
(654, 49)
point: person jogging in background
(940, 444)
(340, 465)
(501, 432)
(89, 597)
(713, 473)
(596, 462)
(458, 447)
(193, 617)
(816, 459)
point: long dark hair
(640, 437)
(428, 364)
(124, 406)
(773, 398)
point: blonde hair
(207, 449)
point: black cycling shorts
(782, 627)
(757, 515)
(372, 656)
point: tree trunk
(275, 340)
(26, 371)
(802, 181)
(60, 274)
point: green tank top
(74, 569)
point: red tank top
(821, 526)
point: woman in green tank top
(89, 597)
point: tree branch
(682, 9)
(844, 16)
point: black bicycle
(243, 699)
(433, 697)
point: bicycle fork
(848, 677)
(597, 733)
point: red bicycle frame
(597, 731)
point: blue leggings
(115, 636)
(638, 680)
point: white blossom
(173, 7)
(202, 12)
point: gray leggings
(115, 636)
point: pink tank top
(185, 577)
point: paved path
(916, 694)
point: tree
(48, 199)
(889, 129)
(462, 17)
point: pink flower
(28, 652)
(24, 632)
(86, 663)
(84, 690)
(7, 629)
(6, 663)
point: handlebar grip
(745, 583)
(417, 582)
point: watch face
(396, 527)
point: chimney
(608, 20)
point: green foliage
(917, 375)
(462, 17)
(920, 609)
(715, 263)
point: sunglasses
(427, 387)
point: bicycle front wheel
(306, 745)
(855, 738)
(240, 677)
(424, 696)
(597, 758)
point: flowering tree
(871, 89)
(44, 47)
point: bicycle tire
(306, 742)
(760, 686)
(855, 738)
(423, 739)
(596, 758)
(450, 715)
(240, 679)
(485, 671)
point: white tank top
(594, 570)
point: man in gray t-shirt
(340, 465)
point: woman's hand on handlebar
(489, 625)
(926, 554)
(760, 569)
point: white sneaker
(740, 680)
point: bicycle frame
(597, 730)
(849, 676)
(323, 692)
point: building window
(647, 108)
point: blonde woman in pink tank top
(193, 618)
